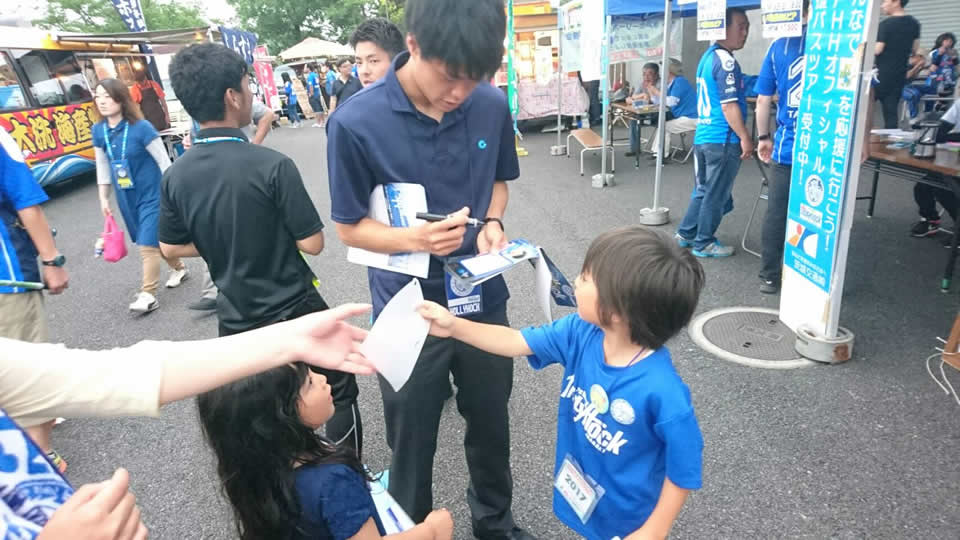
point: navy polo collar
(399, 100)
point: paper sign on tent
(396, 339)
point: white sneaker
(145, 303)
(177, 277)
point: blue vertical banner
(243, 43)
(823, 166)
(132, 14)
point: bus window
(43, 84)
(64, 66)
(11, 93)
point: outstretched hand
(325, 340)
(441, 320)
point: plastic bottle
(98, 247)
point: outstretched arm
(496, 339)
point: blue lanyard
(211, 140)
(109, 144)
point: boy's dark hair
(734, 10)
(652, 65)
(467, 36)
(342, 61)
(201, 75)
(646, 279)
(382, 33)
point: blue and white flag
(243, 43)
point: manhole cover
(750, 336)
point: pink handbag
(114, 246)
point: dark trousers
(927, 198)
(775, 222)
(596, 108)
(345, 427)
(889, 99)
(484, 382)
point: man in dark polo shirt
(433, 120)
(245, 210)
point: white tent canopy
(316, 48)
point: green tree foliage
(282, 24)
(101, 16)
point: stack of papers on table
(899, 134)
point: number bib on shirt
(121, 171)
(463, 299)
(579, 490)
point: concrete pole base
(654, 216)
(810, 344)
(602, 181)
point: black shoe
(630, 153)
(769, 286)
(204, 304)
(948, 242)
(515, 534)
(925, 227)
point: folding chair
(683, 147)
(762, 195)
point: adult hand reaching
(325, 340)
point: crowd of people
(628, 449)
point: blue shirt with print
(719, 81)
(291, 93)
(331, 78)
(686, 98)
(18, 190)
(628, 428)
(782, 73)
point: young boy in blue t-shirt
(628, 444)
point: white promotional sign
(782, 18)
(711, 20)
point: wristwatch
(495, 220)
(764, 137)
(57, 261)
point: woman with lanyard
(131, 157)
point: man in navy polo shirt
(781, 73)
(433, 120)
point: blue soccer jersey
(719, 81)
(782, 73)
(18, 190)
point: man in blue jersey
(782, 74)
(721, 142)
(314, 95)
(25, 235)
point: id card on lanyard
(580, 491)
(119, 167)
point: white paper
(782, 18)
(412, 199)
(711, 20)
(544, 280)
(395, 341)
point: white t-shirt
(953, 116)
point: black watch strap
(495, 220)
(764, 137)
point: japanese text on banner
(825, 129)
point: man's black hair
(903, 3)
(734, 10)
(466, 35)
(201, 75)
(382, 33)
(343, 61)
(654, 66)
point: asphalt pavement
(863, 449)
